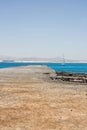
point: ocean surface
(68, 67)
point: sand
(30, 100)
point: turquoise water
(68, 67)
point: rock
(70, 77)
(63, 73)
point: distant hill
(34, 59)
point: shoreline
(70, 77)
(42, 62)
(30, 100)
(59, 75)
(56, 66)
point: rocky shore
(70, 77)
(31, 100)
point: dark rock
(70, 77)
(46, 73)
(63, 73)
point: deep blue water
(68, 67)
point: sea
(67, 67)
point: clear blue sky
(43, 28)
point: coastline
(67, 67)
(30, 100)
(70, 77)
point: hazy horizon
(44, 28)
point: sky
(43, 28)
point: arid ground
(29, 100)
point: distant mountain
(7, 58)
(34, 59)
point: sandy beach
(30, 100)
